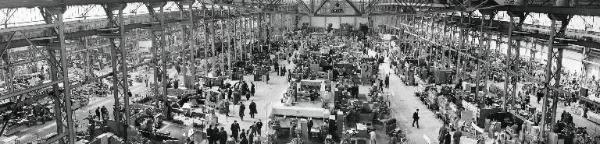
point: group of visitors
(238, 135)
(253, 111)
(449, 135)
(102, 113)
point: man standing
(235, 128)
(416, 118)
(98, 114)
(252, 109)
(387, 81)
(252, 128)
(258, 126)
(211, 133)
(226, 108)
(252, 88)
(104, 112)
(442, 134)
(229, 92)
(309, 126)
(244, 140)
(223, 136)
(456, 136)
(539, 95)
(242, 109)
(373, 137)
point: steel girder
(55, 15)
(159, 58)
(553, 68)
(553, 76)
(63, 3)
(116, 35)
(577, 10)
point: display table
(313, 110)
(471, 107)
(593, 117)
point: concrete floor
(404, 103)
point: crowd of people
(218, 135)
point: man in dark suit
(252, 107)
(242, 109)
(416, 118)
(222, 136)
(235, 128)
(211, 133)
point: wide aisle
(404, 103)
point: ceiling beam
(320, 6)
(580, 10)
(85, 33)
(55, 3)
(354, 7)
(503, 29)
(300, 2)
(343, 15)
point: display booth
(213, 81)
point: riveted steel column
(124, 70)
(462, 38)
(206, 40)
(480, 46)
(508, 63)
(547, 90)
(223, 53)
(114, 64)
(229, 40)
(488, 47)
(65, 72)
(213, 34)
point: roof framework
(21, 21)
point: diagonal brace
(354, 7)
(320, 6)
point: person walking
(447, 138)
(373, 137)
(248, 96)
(387, 81)
(252, 128)
(252, 88)
(226, 108)
(242, 109)
(456, 136)
(245, 87)
(380, 84)
(229, 93)
(539, 95)
(252, 107)
(104, 113)
(98, 113)
(235, 128)
(243, 134)
(442, 134)
(309, 126)
(416, 118)
(251, 138)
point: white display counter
(313, 110)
